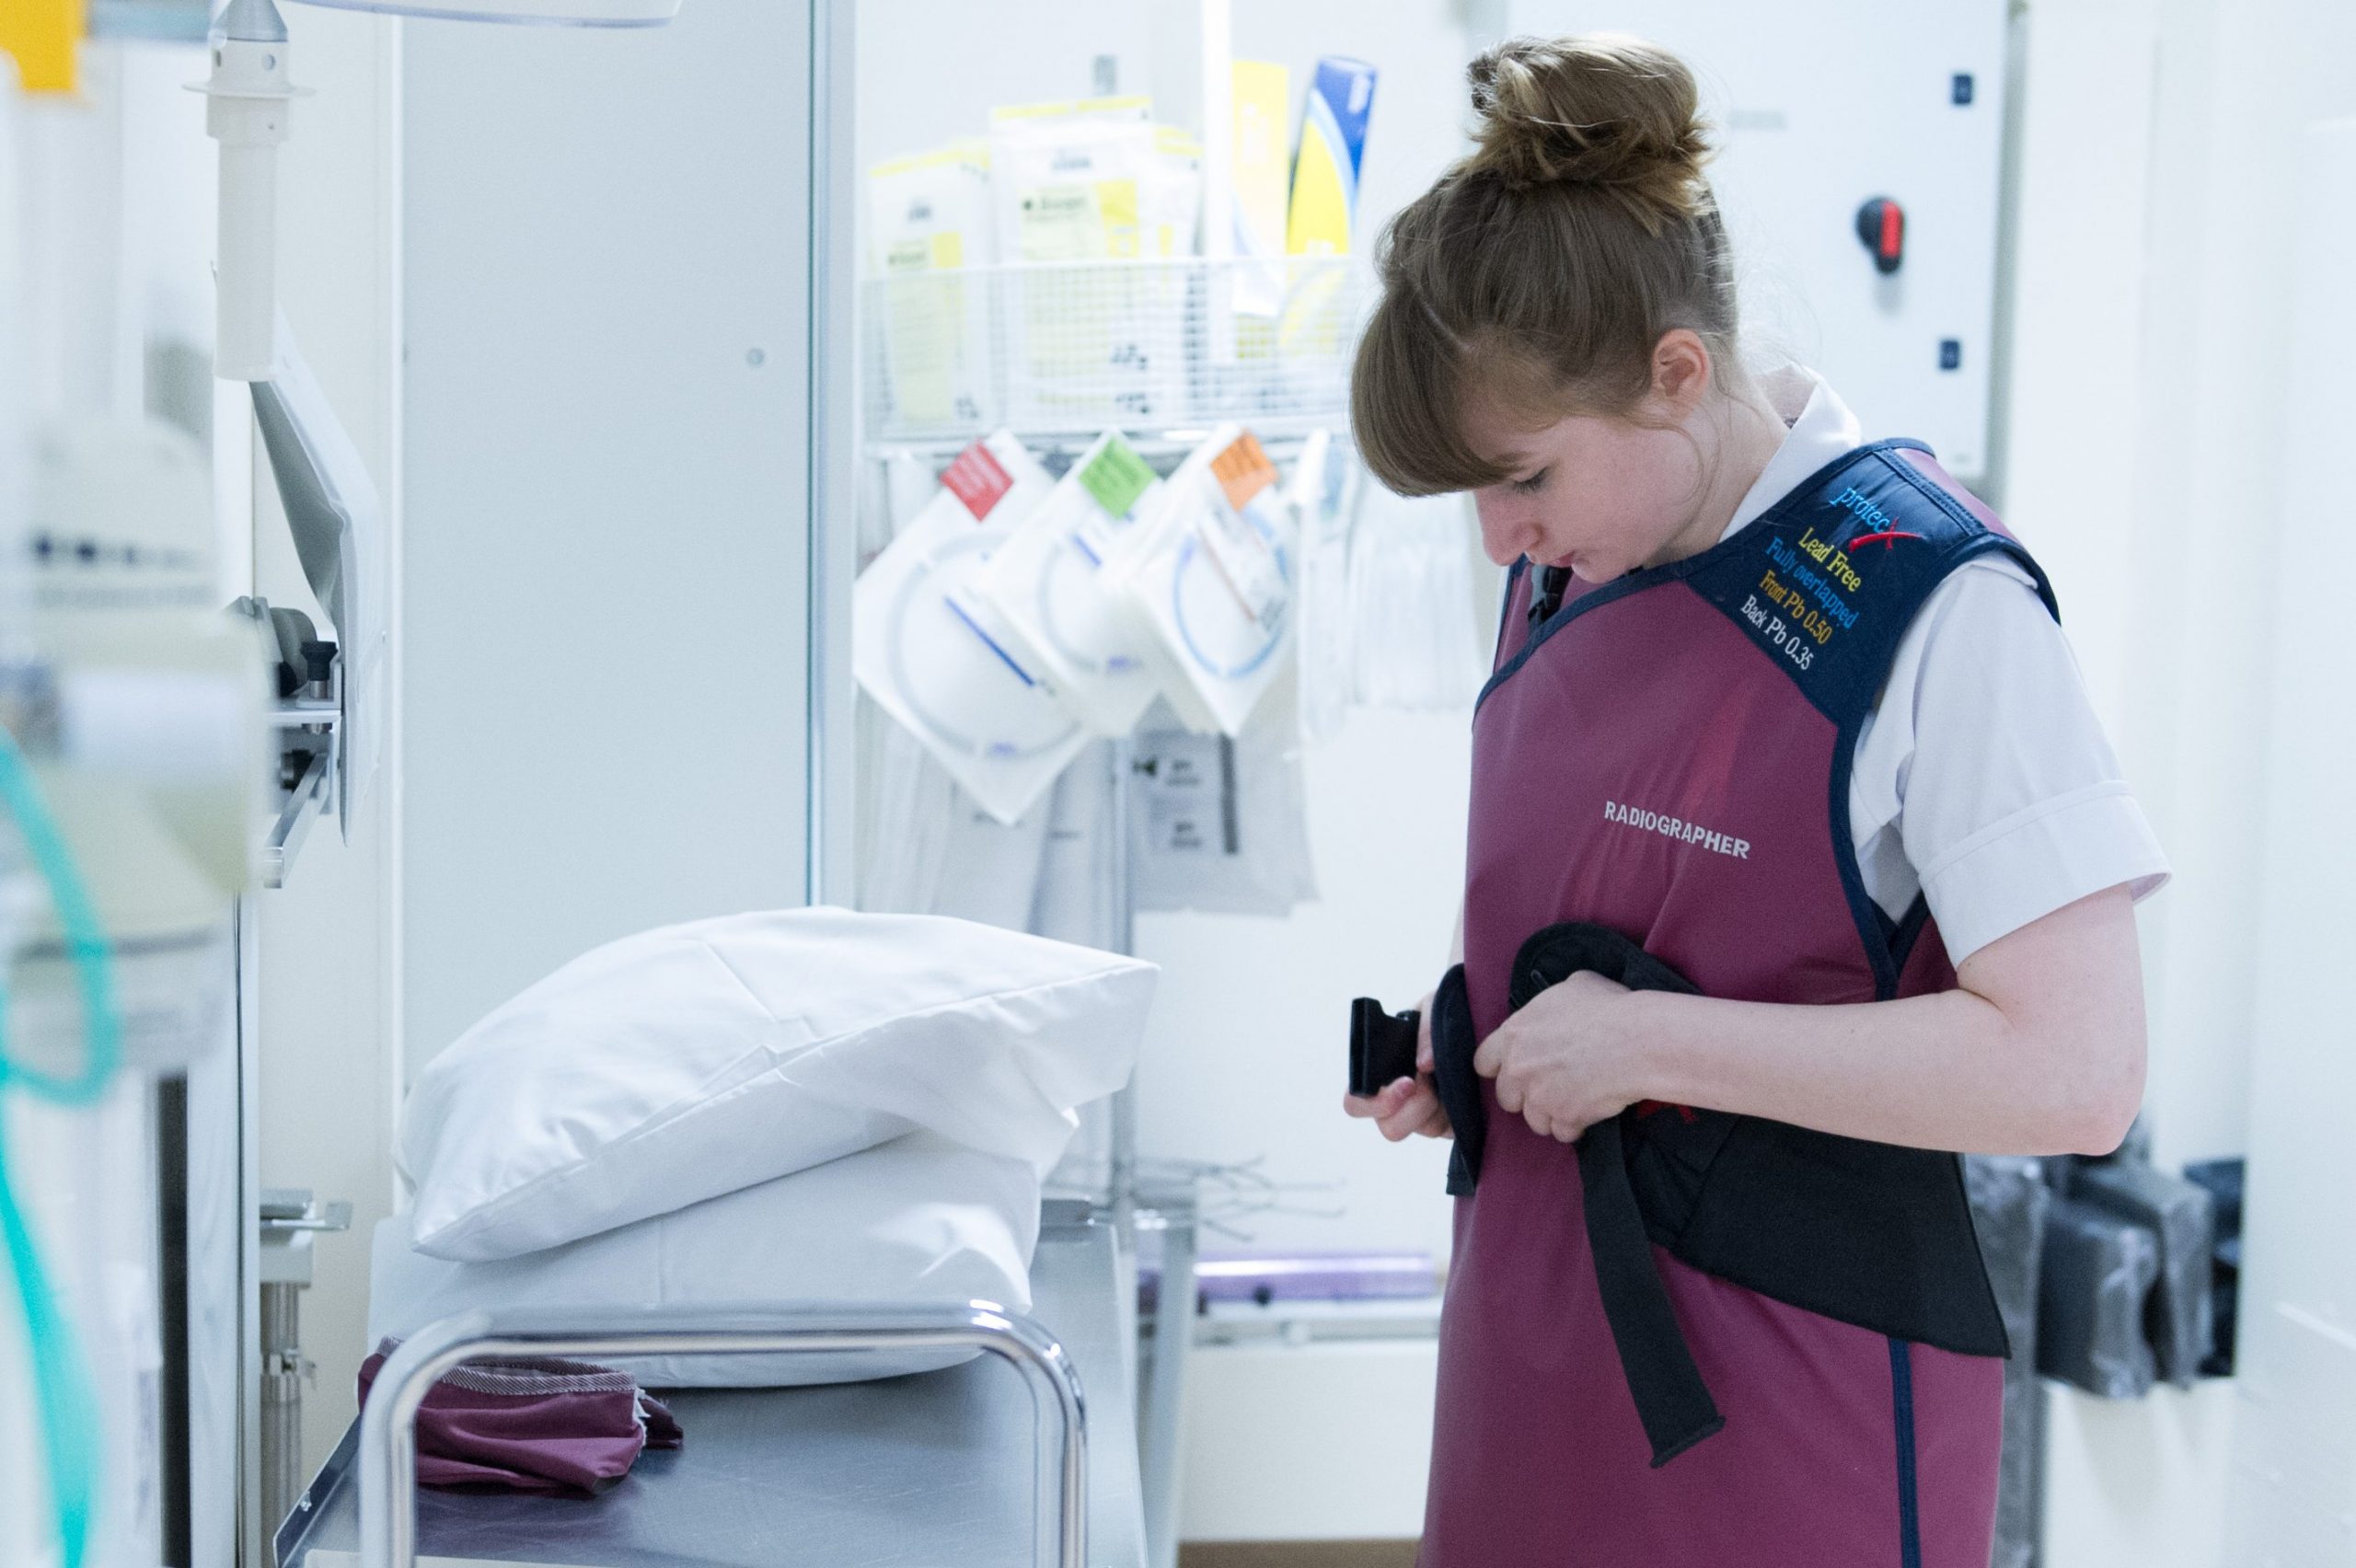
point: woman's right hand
(1408, 1107)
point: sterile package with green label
(1050, 580)
(934, 652)
(1212, 572)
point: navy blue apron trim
(1957, 510)
(1677, 572)
(1871, 923)
(1505, 610)
(1901, 1401)
(1882, 947)
(1907, 931)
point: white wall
(2296, 1476)
(2238, 82)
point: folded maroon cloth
(560, 1428)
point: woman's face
(1601, 496)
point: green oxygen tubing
(67, 1413)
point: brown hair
(1548, 262)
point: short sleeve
(1982, 779)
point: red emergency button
(1881, 228)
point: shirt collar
(1822, 430)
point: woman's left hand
(1561, 1062)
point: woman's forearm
(2045, 1057)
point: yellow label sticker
(948, 249)
(1116, 201)
(1116, 209)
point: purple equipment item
(557, 1428)
(1303, 1277)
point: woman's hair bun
(1596, 110)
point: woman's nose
(1507, 531)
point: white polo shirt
(1982, 776)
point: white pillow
(687, 1062)
(918, 1220)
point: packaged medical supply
(904, 799)
(1319, 492)
(1262, 96)
(1076, 185)
(1048, 581)
(1219, 824)
(933, 650)
(929, 221)
(1173, 194)
(686, 1062)
(931, 211)
(1413, 637)
(919, 1219)
(1076, 899)
(928, 847)
(1333, 148)
(1067, 179)
(1324, 209)
(1213, 574)
(988, 870)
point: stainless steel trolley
(975, 1465)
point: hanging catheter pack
(932, 649)
(1213, 577)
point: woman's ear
(1681, 373)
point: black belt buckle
(1382, 1046)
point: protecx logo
(1862, 507)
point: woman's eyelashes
(1529, 486)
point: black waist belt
(1870, 1234)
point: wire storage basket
(1075, 348)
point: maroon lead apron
(1668, 755)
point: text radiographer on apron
(1796, 861)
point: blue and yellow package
(1333, 147)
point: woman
(1790, 712)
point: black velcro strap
(1671, 1399)
(1456, 1082)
